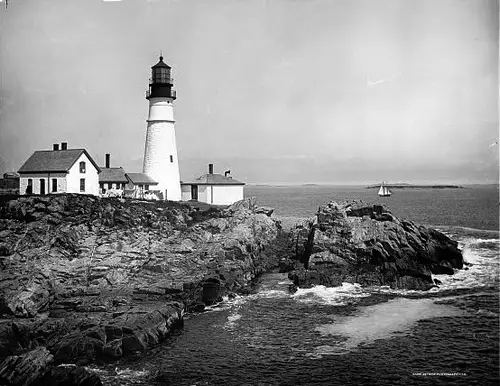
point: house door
(194, 192)
(42, 186)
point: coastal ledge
(365, 244)
(94, 278)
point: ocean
(347, 335)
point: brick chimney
(56, 146)
(108, 156)
(64, 145)
(210, 168)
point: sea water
(348, 335)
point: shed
(213, 188)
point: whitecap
(272, 294)
(232, 321)
(482, 270)
(335, 296)
(129, 373)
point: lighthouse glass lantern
(160, 84)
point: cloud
(373, 83)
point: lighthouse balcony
(161, 93)
(161, 79)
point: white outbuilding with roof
(59, 171)
(213, 188)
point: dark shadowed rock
(69, 375)
(26, 369)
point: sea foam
(334, 296)
(482, 263)
(380, 321)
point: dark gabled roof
(10, 175)
(161, 63)
(141, 178)
(43, 161)
(213, 179)
(112, 175)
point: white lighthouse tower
(160, 153)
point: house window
(123, 185)
(82, 167)
(54, 184)
(110, 186)
(82, 184)
(147, 187)
(140, 186)
(171, 158)
(29, 188)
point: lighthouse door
(194, 192)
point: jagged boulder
(66, 375)
(26, 369)
(126, 330)
(355, 243)
(35, 368)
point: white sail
(384, 191)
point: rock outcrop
(89, 277)
(354, 243)
(35, 368)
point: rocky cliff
(89, 277)
(355, 243)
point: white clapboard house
(213, 188)
(59, 171)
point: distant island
(411, 186)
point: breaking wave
(334, 296)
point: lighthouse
(160, 151)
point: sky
(277, 91)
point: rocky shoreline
(85, 279)
(89, 278)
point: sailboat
(384, 191)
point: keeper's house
(213, 188)
(59, 171)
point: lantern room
(161, 72)
(161, 83)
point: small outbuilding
(112, 178)
(140, 185)
(9, 184)
(213, 188)
(59, 171)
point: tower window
(82, 184)
(171, 158)
(82, 167)
(54, 184)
